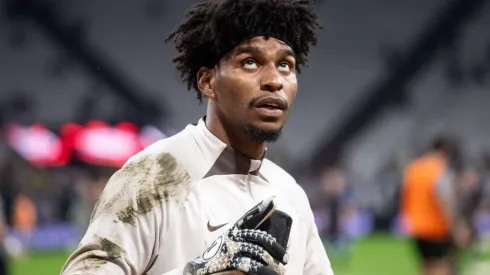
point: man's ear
(205, 82)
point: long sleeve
(127, 224)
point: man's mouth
(270, 106)
(272, 103)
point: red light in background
(101, 144)
(96, 142)
(37, 145)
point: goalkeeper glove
(244, 248)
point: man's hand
(243, 248)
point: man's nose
(271, 80)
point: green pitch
(374, 255)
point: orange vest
(25, 214)
(422, 214)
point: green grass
(375, 255)
(39, 263)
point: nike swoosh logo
(213, 228)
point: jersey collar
(229, 161)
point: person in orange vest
(25, 214)
(24, 220)
(427, 207)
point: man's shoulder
(172, 145)
(180, 148)
(148, 180)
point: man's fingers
(264, 240)
(260, 255)
(249, 266)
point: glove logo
(213, 249)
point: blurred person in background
(428, 206)
(469, 194)
(334, 186)
(485, 185)
(24, 218)
(473, 206)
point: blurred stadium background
(86, 84)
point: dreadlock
(214, 27)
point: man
(176, 200)
(427, 206)
(334, 186)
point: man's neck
(235, 139)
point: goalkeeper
(172, 208)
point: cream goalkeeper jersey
(166, 206)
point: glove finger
(259, 254)
(265, 241)
(252, 267)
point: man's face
(255, 86)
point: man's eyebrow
(257, 50)
(249, 49)
(286, 52)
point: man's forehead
(264, 43)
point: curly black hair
(214, 27)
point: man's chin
(263, 133)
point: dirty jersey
(166, 206)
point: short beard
(256, 134)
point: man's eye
(284, 66)
(249, 64)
